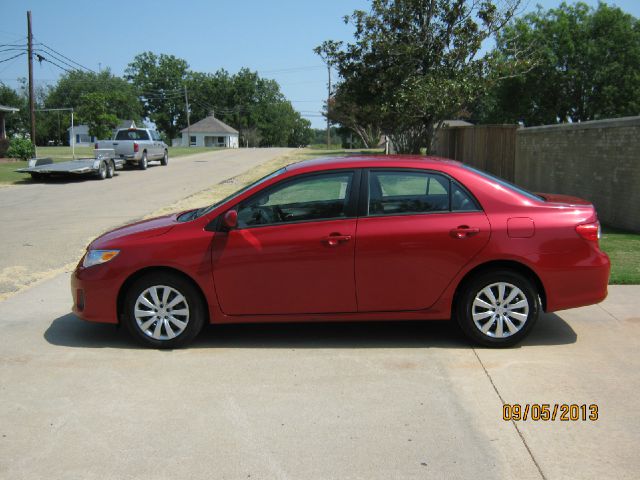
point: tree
(361, 119)
(14, 122)
(97, 98)
(96, 111)
(253, 105)
(160, 80)
(586, 66)
(301, 134)
(415, 63)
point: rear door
(418, 229)
(293, 250)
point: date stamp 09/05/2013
(550, 412)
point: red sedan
(361, 238)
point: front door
(293, 250)
(421, 228)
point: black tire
(102, 171)
(36, 177)
(474, 290)
(111, 168)
(143, 163)
(165, 159)
(194, 305)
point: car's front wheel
(164, 310)
(498, 309)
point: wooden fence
(488, 147)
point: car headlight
(96, 257)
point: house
(125, 124)
(210, 132)
(3, 111)
(81, 135)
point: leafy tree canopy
(586, 66)
(160, 80)
(415, 63)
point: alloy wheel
(161, 312)
(500, 310)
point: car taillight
(136, 147)
(589, 231)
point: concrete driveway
(47, 225)
(390, 400)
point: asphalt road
(367, 401)
(44, 226)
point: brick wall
(598, 160)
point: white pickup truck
(137, 146)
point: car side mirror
(230, 219)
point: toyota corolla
(351, 239)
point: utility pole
(186, 105)
(32, 108)
(328, 106)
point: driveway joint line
(515, 425)
(608, 312)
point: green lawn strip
(624, 250)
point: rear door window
(400, 192)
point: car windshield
(193, 214)
(506, 184)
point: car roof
(372, 161)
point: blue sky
(275, 37)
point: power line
(11, 58)
(40, 56)
(14, 49)
(291, 69)
(43, 59)
(65, 57)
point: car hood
(144, 229)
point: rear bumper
(95, 293)
(574, 285)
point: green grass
(624, 250)
(64, 153)
(7, 174)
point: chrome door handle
(464, 231)
(336, 239)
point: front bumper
(95, 293)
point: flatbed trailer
(102, 165)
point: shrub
(21, 148)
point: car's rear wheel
(498, 309)
(164, 310)
(144, 162)
(165, 159)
